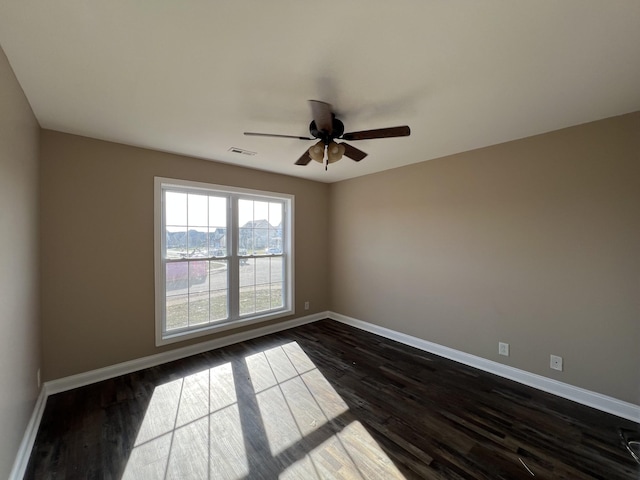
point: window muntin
(223, 257)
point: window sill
(169, 338)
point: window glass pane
(275, 214)
(247, 300)
(277, 268)
(245, 241)
(218, 275)
(175, 208)
(197, 242)
(260, 211)
(177, 309)
(277, 298)
(218, 212)
(275, 228)
(198, 210)
(218, 286)
(261, 239)
(198, 308)
(263, 266)
(218, 304)
(198, 276)
(176, 277)
(275, 241)
(176, 242)
(263, 300)
(245, 212)
(247, 272)
(217, 242)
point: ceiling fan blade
(353, 153)
(254, 134)
(321, 112)
(403, 131)
(304, 158)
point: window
(224, 258)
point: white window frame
(235, 320)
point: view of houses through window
(224, 256)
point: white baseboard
(29, 438)
(105, 373)
(596, 400)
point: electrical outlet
(556, 362)
(503, 349)
(306, 305)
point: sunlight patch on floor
(351, 453)
(293, 396)
(196, 427)
(191, 428)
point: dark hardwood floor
(323, 401)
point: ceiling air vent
(241, 151)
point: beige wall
(19, 341)
(534, 242)
(97, 246)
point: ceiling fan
(326, 128)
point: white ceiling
(191, 76)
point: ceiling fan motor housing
(337, 130)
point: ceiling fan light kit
(326, 128)
(335, 151)
(316, 152)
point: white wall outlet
(38, 377)
(556, 362)
(503, 349)
(306, 305)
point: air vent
(241, 151)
